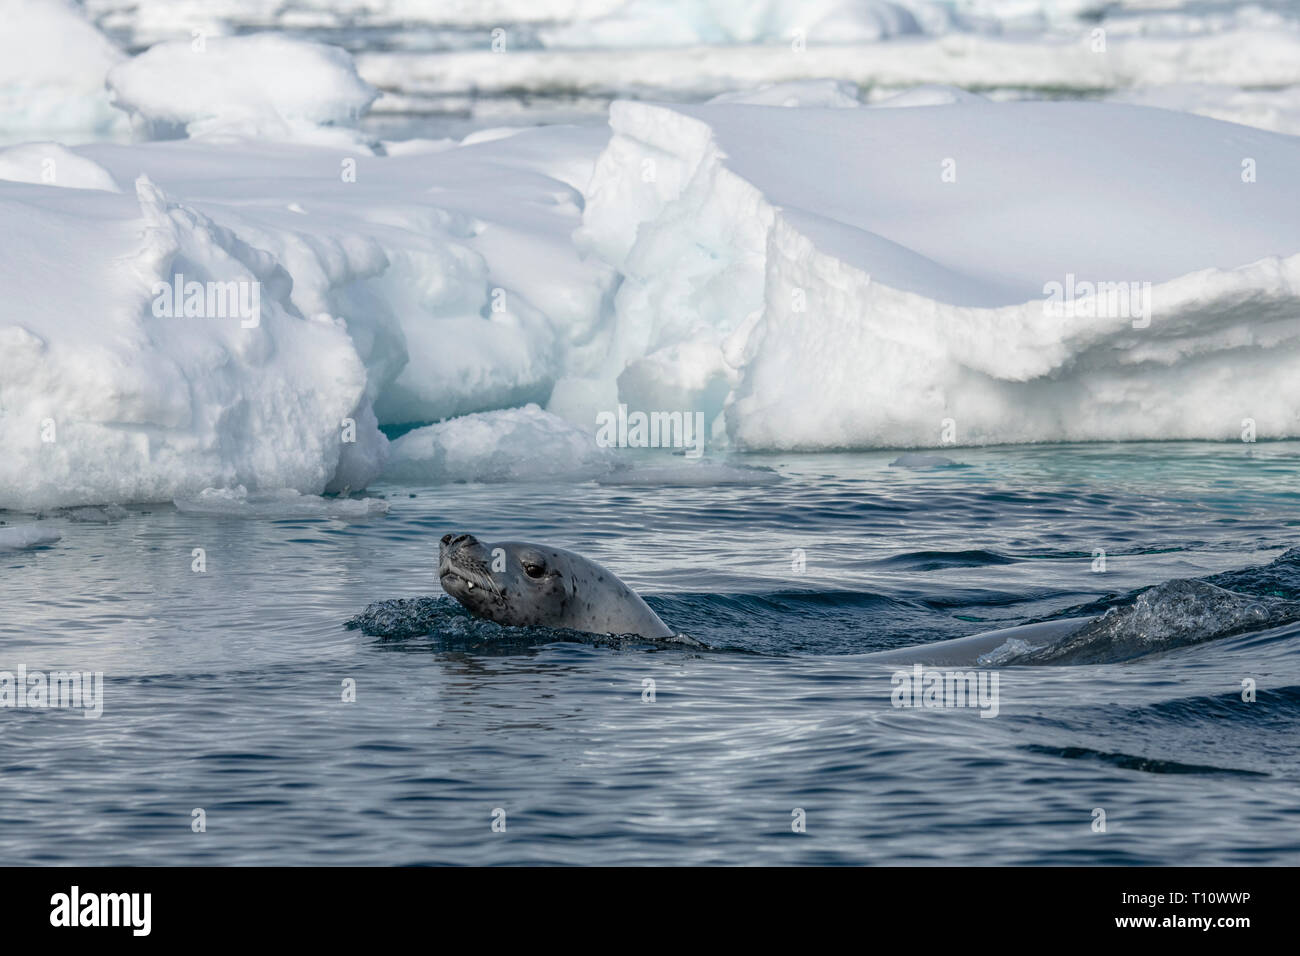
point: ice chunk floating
(23, 536)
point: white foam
(1006, 652)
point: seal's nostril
(463, 539)
(446, 539)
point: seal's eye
(533, 569)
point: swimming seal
(522, 585)
(983, 649)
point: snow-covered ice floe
(1086, 49)
(245, 311)
(1256, 58)
(445, 58)
(280, 503)
(870, 278)
(224, 311)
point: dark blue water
(223, 689)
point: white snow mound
(256, 86)
(52, 67)
(51, 164)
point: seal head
(533, 585)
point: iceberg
(366, 290)
(894, 278)
(392, 289)
(103, 400)
(258, 303)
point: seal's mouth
(467, 580)
(461, 570)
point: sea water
(242, 723)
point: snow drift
(259, 86)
